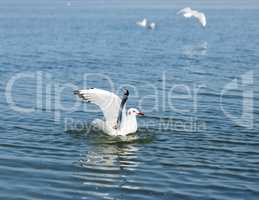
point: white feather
(108, 102)
(142, 23)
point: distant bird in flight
(117, 121)
(142, 23)
(145, 24)
(152, 25)
(188, 12)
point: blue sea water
(193, 84)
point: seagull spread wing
(184, 10)
(107, 101)
(202, 19)
(142, 23)
(188, 15)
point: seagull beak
(140, 113)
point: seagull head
(134, 112)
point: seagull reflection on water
(110, 152)
(196, 49)
(107, 166)
(111, 156)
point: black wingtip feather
(126, 92)
(76, 92)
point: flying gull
(188, 12)
(142, 23)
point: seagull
(117, 121)
(142, 23)
(152, 25)
(188, 12)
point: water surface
(42, 160)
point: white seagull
(142, 23)
(188, 12)
(117, 121)
(152, 25)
